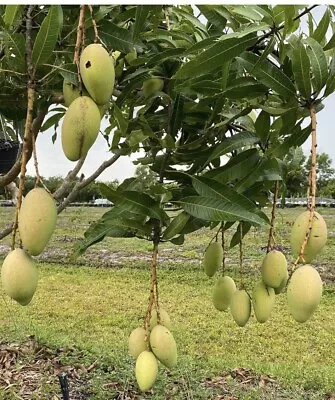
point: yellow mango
(316, 240)
(304, 292)
(274, 268)
(263, 301)
(164, 319)
(19, 276)
(146, 370)
(136, 342)
(80, 127)
(223, 291)
(163, 345)
(240, 307)
(37, 220)
(97, 73)
(213, 258)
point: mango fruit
(136, 342)
(152, 86)
(19, 276)
(274, 269)
(316, 240)
(70, 92)
(282, 286)
(263, 301)
(164, 319)
(240, 307)
(146, 370)
(80, 127)
(97, 73)
(37, 220)
(222, 293)
(213, 258)
(163, 345)
(304, 292)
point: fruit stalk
(312, 187)
(79, 41)
(28, 132)
(271, 240)
(96, 35)
(241, 257)
(223, 249)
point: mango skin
(274, 268)
(164, 346)
(222, 293)
(70, 92)
(19, 276)
(80, 127)
(281, 287)
(263, 301)
(317, 238)
(304, 292)
(136, 342)
(146, 370)
(97, 72)
(213, 258)
(164, 319)
(240, 307)
(37, 220)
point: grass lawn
(84, 312)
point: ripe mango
(152, 86)
(146, 370)
(163, 345)
(80, 127)
(240, 307)
(19, 276)
(37, 220)
(213, 258)
(70, 92)
(164, 319)
(304, 292)
(223, 291)
(97, 73)
(317, 238)
(136, 342)
(274, 269)
(282, 286)
(263, 301)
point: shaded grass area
(93, 310)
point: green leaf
(213, 189)
(330, 85)
(318, 63)
(13, 14)
(121, 122)
(297, 138)
(331, 44)
(142, 12)
(175, 226)
(68, 72)
(203, 44)
(52, 121)
(301, 70)
(236, 239)
(118, 38)
(47, 35)
(235, 142)
(262, 126)
(247, 12)
(16, 44)
(212, 58)
(320, 32)
(209, 11)
(216, 210)
(138, 203)
(268, 74)
(244, 87)
(165, 55)
(235, 167)
(177, 115)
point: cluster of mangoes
(82, 119)
(150, 347)
(36, 223)
(304, 288)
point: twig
(271, 239)
(59, 193)
(241, 257)
(28, 133)
(167, 18)
(312, 184)
(79, 41)
(151, 301)
(223, 249)
(96, 35)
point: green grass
(95, 306)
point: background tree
(324, 170)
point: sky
(52, 161)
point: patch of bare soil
(31, 370)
